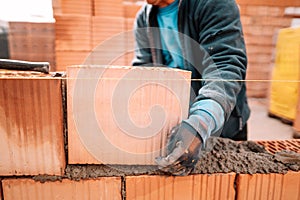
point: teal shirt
(168, 24)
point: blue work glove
(183, 149)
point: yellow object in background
(286, 74)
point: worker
(206, 38)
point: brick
(255, 40)
(268, 186)
(109, 40)
(260, 30)
(253, 65)
(281, 145)
(68, 58)
(264, 11)
(263, 49)
(215, 186)
(118, 117)
(31, 125)
(73, 32)
(246, 20)
(272, 21)
(257, 89)
(1, 194)
(82, 7)
(264, 58)
(256, 76)
(32, 41)
(109, 8)
(27, 189)
(104, 28)
(129, 24)
(269, 2)
(131, 9)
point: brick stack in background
(73, 39)
(73, 31)
(102, 22)
(261, 22)
(32, 42)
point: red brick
(109, 8)
(257, 89)
(251, 10)
(269, 2)
(263, 58)
(269, 186)
(281, 145)
(105, 28)
(131, 9)
(32, 41)
(68, 58)
(31, 125)
(215, 186)
(99, 188)
(83, 7)
(262, 40)
(263, 49)
(246, 20)
(1, 194)
(253, 65)
(109, 40)
(260, 30)
(125, 138)
(256, 76)
(272, 21)
(73, 32)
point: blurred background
(65, 32)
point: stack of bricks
(32, 42)
(261, 22)
(86, 29)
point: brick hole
(272, 149)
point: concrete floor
(263, 127)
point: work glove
(183, 147)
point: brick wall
(36, 156)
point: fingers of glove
(171, 158)
(178, 169)
(173, 138)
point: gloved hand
(183, 147)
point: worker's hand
(183, 149)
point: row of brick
(117, 8)
(31, 125)
(216, 186)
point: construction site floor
(263, 127)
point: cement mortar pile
(224, 156)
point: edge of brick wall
(268, 186)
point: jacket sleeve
(142, 51)
(221, 36)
